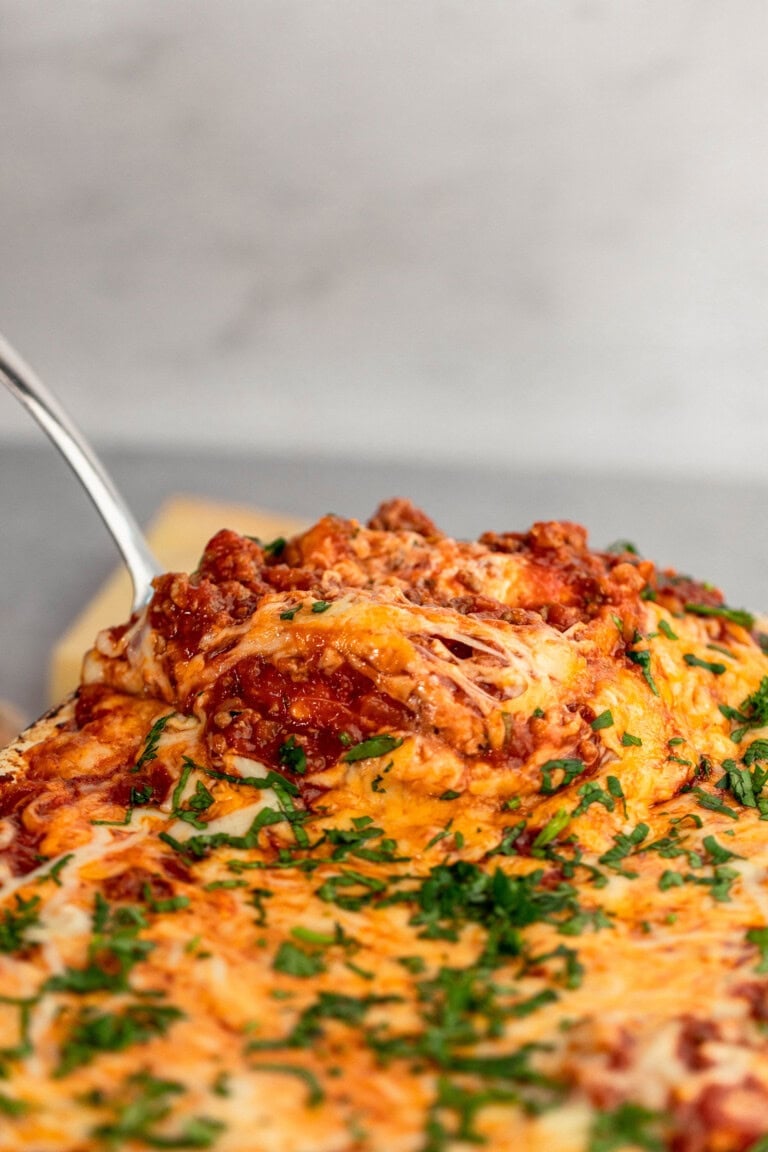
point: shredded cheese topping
(377, 841)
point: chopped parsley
(630, 741)
(744, 785)
(604, 720)
(625, 1126)
(759, 937)
(372, 748)
(198, 847)
(142, 795)
(149, 751)
(11, 1107)
(94, 1032)
(23, 1047)
(324, 939)
(717, 853)
(413, 964)
(225, 885)
(592, 793)
(715, 667)
(570, 769)
(616, 790)
(758, 750)
(506, 846)
(294, 961)
(666, 630)
(732, 615)
(291, 755)
(271, 780)
(719, 883)
(643, 660)
(54, 872)
(309, 1027)
(358, 841)
(751, 713)
(140, 1110)
(320, 605)
(114, 950)
(351, 889)
(167, 904)
(16, 922)
(552, 828)
(200, 801)
(714, 803)
(624, 845)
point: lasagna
(372, 840)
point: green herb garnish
(294, 961)
(715, 667)
(149, 752)
(732, 615)
(291, 755)
(570, 769)
(643, 661)
(372, 748)
(16, 922)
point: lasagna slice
(372, 840)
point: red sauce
(153, 777)
(256, 707)
(675, 591)
(756, 995)
(91, 703)
(184, 610)
(518, 745)
(173, 866)
(22, 854)
(15, 796)
(694, 1036)
(134, 883)
(723, 1116)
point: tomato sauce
(256, 707)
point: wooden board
(177, 536)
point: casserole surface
(376, 840)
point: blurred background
(510, 259)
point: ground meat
(133, 884)
(400, 515)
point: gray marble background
(520, 232)
(507, 257)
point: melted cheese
(267, 920)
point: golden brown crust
(381, 841)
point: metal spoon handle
(83, 461)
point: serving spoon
(30, 391)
